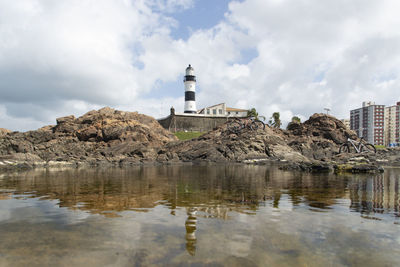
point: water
(198, 215)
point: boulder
(66, 119)
(4, 131)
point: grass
(379, 147)
(188, 135)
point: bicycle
(236, 125)
(359, 147)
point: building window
(208, 111)
(220, 111)
(229, 113)
(214, 111)
(237, 113)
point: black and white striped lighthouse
(190, 90)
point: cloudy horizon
(296, 57)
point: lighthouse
(190, 90)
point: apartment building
(368, 122)
(392, 125)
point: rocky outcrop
(316, 139)
(319, 137)
(222, 145)
(109, 136)
(310, 146)
(106, 135)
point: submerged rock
(358, 168)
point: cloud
(311, 55)
(63, 57)
(170, 6)
(55, 53)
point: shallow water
(234, 215)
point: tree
(296, 119)
(275, 120)
(253, 113)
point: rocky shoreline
(109, 137)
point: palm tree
(275, 120)
(253, 113)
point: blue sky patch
(204, 14)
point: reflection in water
(211, 194)
(241, 188)
(377, 194)
(215, 191)
(190, 225)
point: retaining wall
(177, 123)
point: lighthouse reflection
(190, 225)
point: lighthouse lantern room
(190, 90)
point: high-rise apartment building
(392, 124)
(368, 122)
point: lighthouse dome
(189, 70)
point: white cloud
(61, 57)
(170, 5)
(52, 53)
(311, 55)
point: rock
(4, 131)
(358, 168)
(21, 157)
(112, 137)
(322, 126)
(66, 119)
(97, 136)
(316, 139)
(66, 125)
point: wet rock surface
(109, 136)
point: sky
(296, 57)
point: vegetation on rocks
(295, 119)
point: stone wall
(177, 123)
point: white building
(221, 110)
